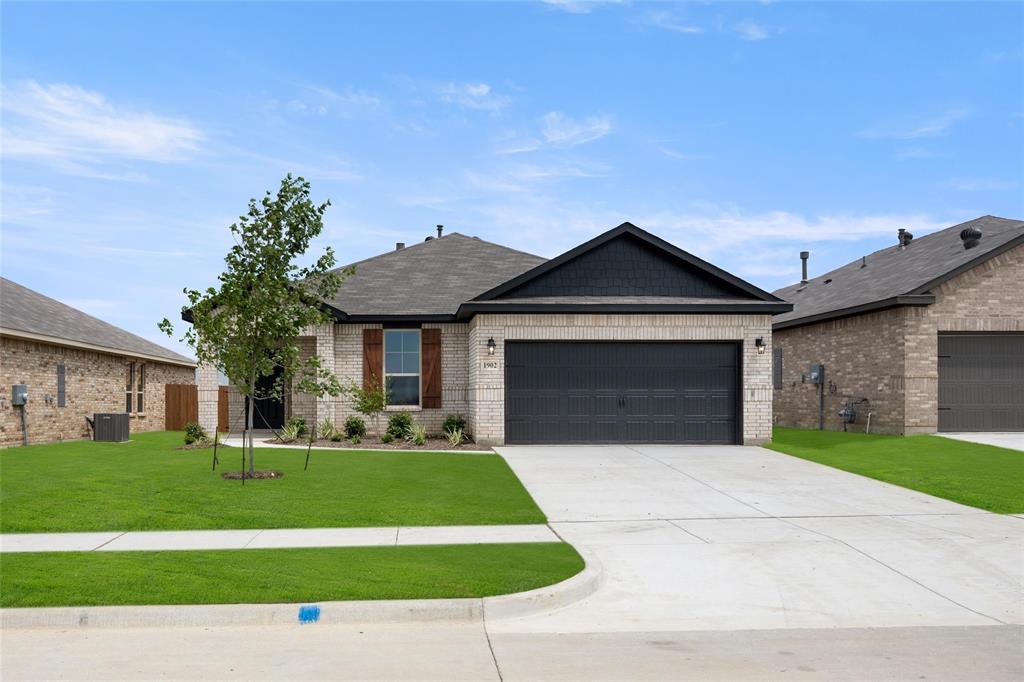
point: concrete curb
(569, 591)
(581, 585)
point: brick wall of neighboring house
(863, 358)
(94, 382)
(891, 357)
(487, 386)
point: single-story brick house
(76, 365)
(929, 331)
(625, 338)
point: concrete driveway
(738, 538)
(1013, 441)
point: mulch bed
(371, 443)
(237, 475)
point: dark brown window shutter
(431, 349)
(373, 358)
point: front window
(402, 366)
(129, 382)
(140, 389)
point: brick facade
(94, 382)
(479, 395)
(891, 357)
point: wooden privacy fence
(181, 405)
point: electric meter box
(816, 374)
(19, 394)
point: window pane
(140, 407)
(410, 341)
(404, 390)
(411, 363)
(127, 402)
(392, 342)
(128, 378)
(142, 378)
(393, 363)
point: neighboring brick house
(929, 331)
(625, 338)
(76, 365)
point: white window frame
(129, 387)
(384, 358)
(140, 388)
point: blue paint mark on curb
(309, 614)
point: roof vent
(804, 255)
(440, 229)
(428, 239)
(970, 236)
(863, 261)
(399, 246)
(828, 281)
(904, 237)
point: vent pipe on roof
(903, 237)
(399, 246)
(440, 229)
(804, 255)
(970, 236)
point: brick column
(324, 335)
(208, 381)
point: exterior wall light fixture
(491, 346)
(760, 345)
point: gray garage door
(597, 392)
(981, 382)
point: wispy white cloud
(680, 156)
(579, 6)
(78, 131)
(563, 131)
(479, 96)
(751, 30)
(934, 126)
(529, 177)
(981, 184)
(670, 22)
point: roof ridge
(95, 319)
(431, 240)
(896, 246)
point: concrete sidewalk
(273, 538)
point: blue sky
(133, 134)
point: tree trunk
(248, 417)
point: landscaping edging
(517, 605)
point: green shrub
(454, 422)
(417, 434)
(194, 433)
(337, 437)
(355, 426)
(456, 437)
(386, 438)
(399, 424)
(289, 432)
(326, 429)
(356, 440)
(299, 425)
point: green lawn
(281, 575)
(147, 484)
(981, 476)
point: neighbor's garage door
(981, 382)
(604, 392)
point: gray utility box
(110, 427)
(19, 394)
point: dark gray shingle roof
(430, 278)
(24, 310)
(892, 272)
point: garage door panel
(981, 382)
(657, 392)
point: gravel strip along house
(74, 366)
(925, 335)
(625, 338)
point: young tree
(369, 402)
(247, 326)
